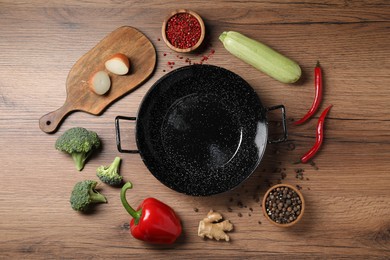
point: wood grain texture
(346, 192)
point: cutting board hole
(48, 122)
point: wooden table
(347, 190)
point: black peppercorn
(283, 204)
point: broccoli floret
(84, 195)
(79, 143)
(110, 174)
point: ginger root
(213, 228)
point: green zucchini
(261, 57)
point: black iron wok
(201, 130)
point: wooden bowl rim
(202, 28)
(263, 206)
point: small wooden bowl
(265, 209)
(202, 27)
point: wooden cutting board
(80, 97)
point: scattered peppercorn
(196, 209)
(277, 170)
(312, 163)
(299, 175)
(290, 147)
(283, 205)
(125, 226)
(239, 214)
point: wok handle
(118, 134)
(284, 124)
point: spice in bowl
(183, 30)
(283, 205)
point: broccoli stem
(79, 160)
(114, 165)
(96, 196)
(135, 214)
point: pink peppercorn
(183, 30)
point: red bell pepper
(153, 221)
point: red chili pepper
(153, 221)
(319, 137)
(317, 97)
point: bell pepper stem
(135, 214)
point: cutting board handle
(50, 122)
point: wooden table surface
(347, 190)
